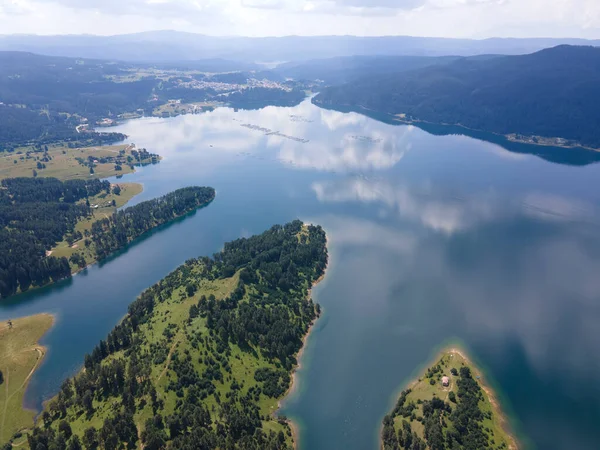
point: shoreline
(42, 351)
(493, 398)
(510, 137)
(294, 375)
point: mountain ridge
(172, 45)
(551, 93)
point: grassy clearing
(62, 162)
(430, 385)
(20, 355)
(105, 209)
(169, 328)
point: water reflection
(431, 238)
(441, 213)
(507, 275)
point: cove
(432, 238)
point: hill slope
(552, 93)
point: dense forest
(260, 97)
(71, 86)
(202, 357)
(112, 233)
(37, 213)
(551, 93)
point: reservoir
(434, 237)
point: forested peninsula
(38, 213)
(202, 357)
(448, 407)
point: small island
(448, 407)
(20, 356)
(203, 357)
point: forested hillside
(202, 357)
(551, 93)
(37, 213)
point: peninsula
(203, 357)
(49, 228)
(447, 407)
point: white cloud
(450, 18)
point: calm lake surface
(432, 239)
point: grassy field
(105, 209)
(20, 355)
(429, 385)
(175, 109)
(169, 330)
(63, 162)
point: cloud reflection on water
(505, 280)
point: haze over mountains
(159, 46)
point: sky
(444, 18)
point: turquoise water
(432, 238)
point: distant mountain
(552, 93)
(178, 46)
(344, 69)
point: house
(445, 381)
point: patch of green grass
(63, 163)
(105, 209)
(20, 355)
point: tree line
(114, 232)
